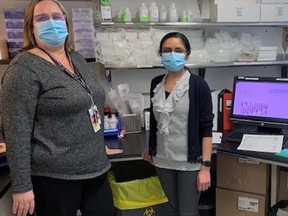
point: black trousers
(56, 197)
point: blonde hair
(29, 41)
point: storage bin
(136, 190)
(131, 123)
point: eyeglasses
(169, 50)
(45, 17)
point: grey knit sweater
(46, 123)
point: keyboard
(236, 136)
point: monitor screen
(261, 101)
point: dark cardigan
(200, 116)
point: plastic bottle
(190, 16)
(127, 15)
(163, 15)
(106, 122)
(173, 13)
(184, 17)
(113, 121)
(143, 13)
(153, 12)
(119, 17)
(105, 8)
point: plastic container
(15, 43)
(143, 13)
(119, 17)
(153, 12)
(14, 23)
(184, 16)
(13, 13)
(173, 13)
(106, 123)
(113, 121)
(163, 15)
(127, 15)
(190, 16)
(105, 9)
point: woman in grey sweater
(52, 106)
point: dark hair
(176, 35)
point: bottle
(184, 17)
(163, 14)
(119, 17)
(127, 15)
(190, 16)
(113, 122)
(106, 122)
(105, 8)
(153, 13)
(173, 13)
(143, 13)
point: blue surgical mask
(173, 62)
(52, 32)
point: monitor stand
(269, 130)
(263, 130)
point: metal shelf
(7, 61)
(192, 24)
(279, 62)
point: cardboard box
(282, 192)
(229, 202)
(237, 1)
(274, 1)
(274, 12)
(236, 12)
(241, 174)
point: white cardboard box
(274, 12)
(237, 1)
(236, 12)
(273, 1)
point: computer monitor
(260, 101)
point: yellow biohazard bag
(139, 193)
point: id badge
(95, 118)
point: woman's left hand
(203, 179)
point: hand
(146, 156)
(203, 179)
(23, 203)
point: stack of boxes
(242, 186)
(14, 20)
(83, 30)
(249, 11)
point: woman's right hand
(23, 203)
(146, 156)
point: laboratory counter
(132, 145)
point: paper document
(216, 137)
(261, 143)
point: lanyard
(77, 76)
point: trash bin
(137, 197)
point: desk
(269, 158)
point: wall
(139, 79)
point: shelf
(4, 61)
(193, 24)
(278, 62)
(7, 61)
